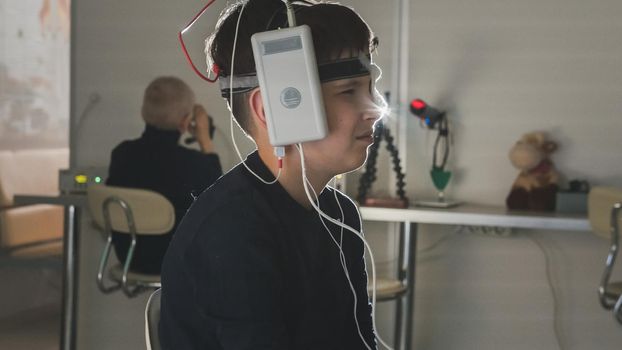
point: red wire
(183, 45)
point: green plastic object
(440, 178)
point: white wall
(508, 67)
(504, 68)
(119, 48)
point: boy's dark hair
(334, 28)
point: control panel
(79, 179)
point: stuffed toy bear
(536, 185)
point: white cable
(342, 257)
(292, 23)
(237, 150)
(549, 279)
(306, 185)
(291, 14)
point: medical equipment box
(289, 84)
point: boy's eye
(348, 92)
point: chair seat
(387, 288)
(142, 279)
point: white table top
(479, 215)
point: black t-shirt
(250, 268)
(156, 162)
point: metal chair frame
(152, 318)
(608, 299)
(130, 287)
(404, 298)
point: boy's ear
(257, 110)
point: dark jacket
(250, 268)
(156, 162)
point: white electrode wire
(291, 14)
(306, 186)
(342, 257)
(237, 150)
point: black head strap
(343, 69)
(330, 71)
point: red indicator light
(418, 104)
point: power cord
(554, 293)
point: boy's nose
(372, 111)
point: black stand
(368, 178)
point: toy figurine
(536, 186)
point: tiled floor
(35, 329)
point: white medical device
(290, 86)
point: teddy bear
(536, 186)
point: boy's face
(351, 115)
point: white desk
(466, 214)
(479, 215)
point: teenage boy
(253, 266)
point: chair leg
(617, 310)
(410, 295)
(397, 338)
(103, 262)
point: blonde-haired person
(169, 104)
(159, 161)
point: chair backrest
(152, 319)
(152, 213)
(600, 202)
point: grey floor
(37, 328)
(30, 303)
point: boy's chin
(356, 164)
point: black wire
(443, 135)
(396, 165)
(368, 178)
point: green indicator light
(98, 179)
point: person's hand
(199, 128)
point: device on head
(290, 85)
(288, 77)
